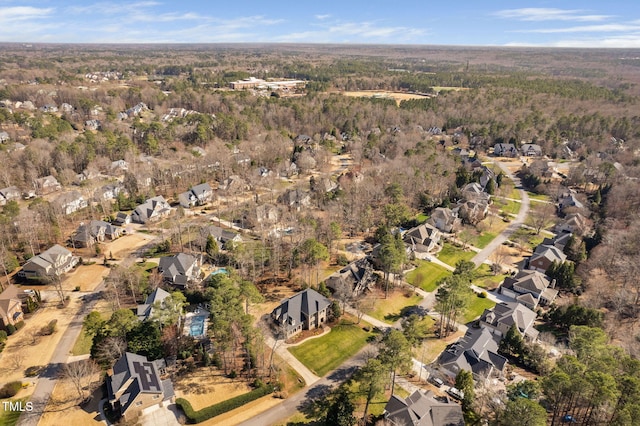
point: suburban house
(118, 167)
(11, 193)
(353, 279)
(477, 352)
(475, 204)
(92, 124)
(145, 310)
(569, 199)
(531, 150)
(53, 262)
(486, 176)
(267, 213)
(560, 241)
(10, 307)
(233, 184)
(529, 288)
(94, 232)
(505, 150)
(151, 210)
(47, 185)
(422, 409)
(180, 269)
(108, 192)
(306, 310)
(295, 199)
(224, 236)
(70, 202)
(574, 223)
(135, 385)
(85, 175)
(196, 196)
(444, 219)
(506, 314)
(543, 256)
(422, 240)
(122, 219)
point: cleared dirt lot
(208, 386)
(63, 410)
(123, 246)
(21, 351)
(382, 94)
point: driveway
(484, 254)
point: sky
(559, 23)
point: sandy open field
(123, 246)
(88, 277)
(63, 410)
(208, 386)
(21, 345)
(397, 96)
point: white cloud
(355, 32)
(605, 28)
(23, 13)
(549, 14)
(323, 17)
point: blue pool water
(220, 271)
(196, 328)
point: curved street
(484, 254)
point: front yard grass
(83, 343)
(451, 254)
(508, 206)
(426, 275)
(475, 307)
(390, 309)
(325, 353)
(486, 279)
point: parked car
(455, 393)
(436, 382)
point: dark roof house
(135, 384)
(477, 352)
(504, 315)
(145, 310)
(303, 311)
(423, 409)
(180, 269)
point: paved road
(481, 257)
(49, 377)
(296, 402)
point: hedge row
(221, 407)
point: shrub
(3, 336)
(10, 389)
(19, 324)
(33, 371)
(77, 288)
(342, 260)
(11, 329)
(50, 328)
(482, 295)
(222, 407)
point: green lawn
(10, 418)
(83, 344)
(515, 194)
(508, 206)
(325, 353)
(484, 239)
(426, 275)
(485, 278)
(527, 237)
(421, 217)
(538, 197)
(451, 254)
(390, 310)
(476, 307)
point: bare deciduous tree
(84, 376)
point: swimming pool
(220, 271)
(196, 326)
